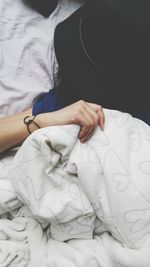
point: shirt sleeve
(47, 102)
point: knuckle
(100, 108)
(81, 102)
(80, 106)
(77, 116)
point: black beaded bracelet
(28, 121)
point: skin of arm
(13, 130)
(87, 115)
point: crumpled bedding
(98, 213)
(82, 204)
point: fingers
(87, 135)
(89, 116)
(92, 121)
(87, 126)
(100, 113)
(101, 118)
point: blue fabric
(47, 102)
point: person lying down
(86, 189)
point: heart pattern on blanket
(118, 173)
(145, 167)
(134, 141)
(135, 218)
(78, 228)
(103, 180)
(24, 195)
(75, 194)
(41, 149)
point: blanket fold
(47, 183)
(92, 193)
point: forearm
(13, 131)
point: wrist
(30, 123)
(44, 119)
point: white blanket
(93, 196)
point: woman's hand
(87, 115)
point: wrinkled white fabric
(8, 198)
(28, 66)
(100, 187)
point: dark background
(44, 7)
